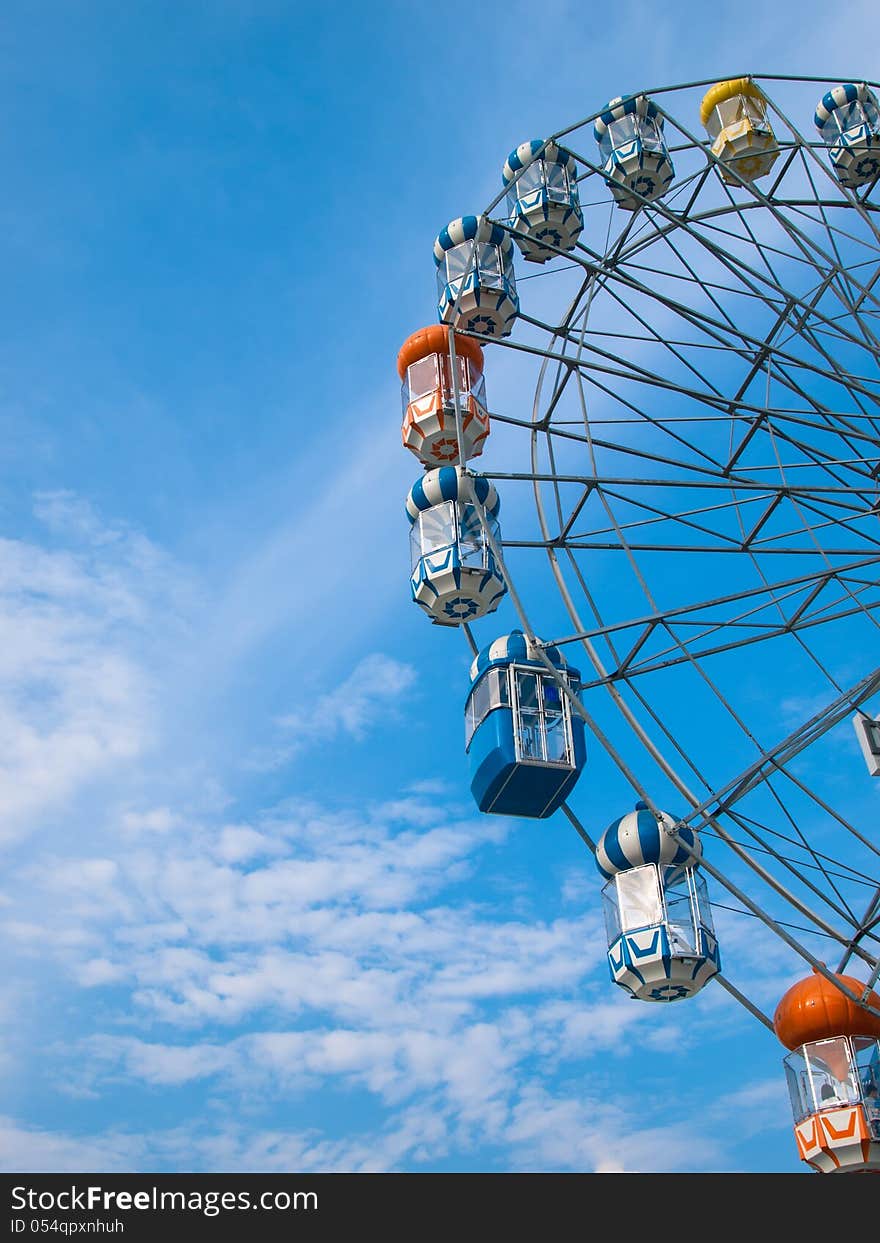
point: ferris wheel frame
(599, 269)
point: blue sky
(252, 918)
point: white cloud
(25, 1149)
(302, 950)
(330, 966)
(239, 843)
(377, 682)
(160, 820)
(598, 1133)
(77, 699)
(376, 689)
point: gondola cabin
(848, 118)
(425, 367)
(542, 199)
(455, 577)
(661, 937)
(633, 153)
(833, 1072)
(525, 746)
(476, 283)
(735, 116)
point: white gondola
(542, 199)
(661, 939)
(455, 577)
(848, 118)
(635, 159)
(476, 283)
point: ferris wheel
(687, 447)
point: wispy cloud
(373, 692)
(77, 700)
(311, 950)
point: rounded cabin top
(615, 109)
(538, 149)
(435, 340)
(638, 837)
(727, 90)
(515, 648)
(813, 1009)
(444, 484)
(469, 229)
(839, 97)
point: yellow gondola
(735, 116)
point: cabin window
(451, 272)
(798, 1085)
(830, 1072)
(449, 524)
(871, 730)
(540, 175)
(422, 377)
(491, 265)
(741, 108)
(702, 906)
(558, 186)
(849, 119)
(530, 179)
(490, 692)
(529, 741)
(437, 526)
(542, 721)
(477, 386)
(488, 263)
(631, 128)
(434, 530)
(648, 896)
(434, 374)
(867, 1059)
(477, 708)
(687, 907)
(623, 130)
(611, 912)
(463, 376)
(554, 723)
(458, 261)
(680, 914)
(848, 116)
(651, 134)
(472, 544)
(638, 898)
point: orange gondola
(833, 1071)
(429, 425)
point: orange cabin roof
(435, 340)
(813, 1009)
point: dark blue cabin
(525, 745)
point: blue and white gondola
(455, 577)
(525, 746)
(848, 118)
(635, 159)
(661, 939)
(476, 283)
(542, 199)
